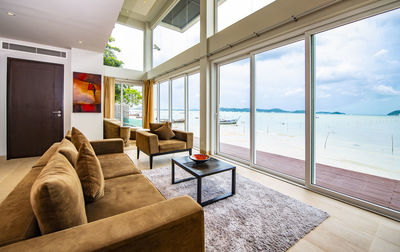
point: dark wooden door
(35, 111)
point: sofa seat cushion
(171, 145)
(123, 194)
(18, 222)
(117, 165)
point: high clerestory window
(125, 48)
(177, 32)
(231, 11)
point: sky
(357, 65)
(130, 41)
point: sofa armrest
(147, 142)
(185, 136)
(171, 225)
(108, 146)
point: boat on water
(229, 121)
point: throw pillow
(90, 173)
(44, 159)
(56, 196)
(68, 135)
(77, 138)
(155, 126)
(164, 132)
(69, 151)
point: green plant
(109, 57)
(131, 95)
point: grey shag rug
(256, 218)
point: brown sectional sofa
(131, 216)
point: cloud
(385, 90)
(295, 91)
(381, 52)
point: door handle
(57, 112)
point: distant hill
(331, 113)
(275, 110)
(394, 113)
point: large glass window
(234, 109)
(357, 107)
(128, 104)
(178, 31)
(155, 103)
(231, 11)
(178, 103)
(129, 44)
(194, 107)
(280, 117)
(164, 101)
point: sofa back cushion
(56, 196)
(78, 138)
(90, 174)
(155, 126)
(69, 151)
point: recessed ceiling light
(10, 13)
(80, 41)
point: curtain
(109, 97)
(148, 103)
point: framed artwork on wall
(87, 92)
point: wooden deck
(378, 190)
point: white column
(206, 30)
(148, 48)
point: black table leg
(173, 172)
(199, 190)
(233, 180)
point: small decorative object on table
(199, 158)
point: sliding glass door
(164, 101)
(357, 108)
(234, 109)
(280, 109)
(193, 100)
(178, 103)
(128, 104)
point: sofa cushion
(155, 126)
(18, 222)
(171, 145)
(69, 151)
(46, 156)
(78, 138)
(56, 196)
(117, 165)
(164, 132)
(123, 194)
(90, 174)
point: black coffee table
(201, 170)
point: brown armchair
(149, 143)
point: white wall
(91, 124)
(4, 54)
(123, 73)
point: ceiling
(61, 23)
(143, 10)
